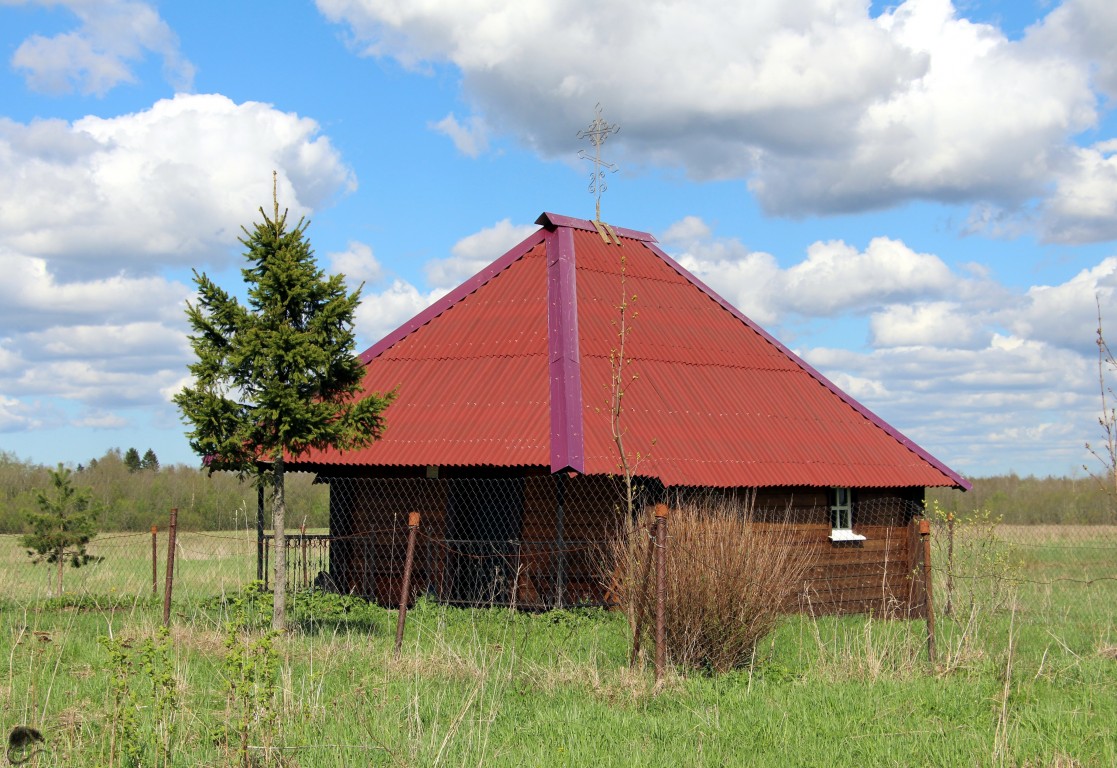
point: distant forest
(135, 492)
(1033, 500)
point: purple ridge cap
(553, 220)
(565, 372)
(888, 428)
(453, 297)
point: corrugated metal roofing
(471, 379)
(512, 369)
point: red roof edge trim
(888, 428)
(554, 221)
(454, 296)
(567, 438)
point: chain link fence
(544, 542)
(1059, 581)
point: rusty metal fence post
(642, 597)
(925, 537)
(154, 561)
(660, 590)
(302, 555)
(405, 590)
(949, 610)
(170, 567)
(261, 566)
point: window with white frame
(841, 516)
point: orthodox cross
(597, 132)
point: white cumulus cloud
(170, 185)
(474, 252)
(819, 105)
(471, 137)
(358, 264)
(112, 36)
(381, 313)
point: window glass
(841, 512)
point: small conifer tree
(63, 526)
(149, 460)
(132, 460)
(279, 375)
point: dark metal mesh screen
(545, 541)
(532, 542)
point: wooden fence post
(405, 590)
(925, 536)
(170, 567)
(154, 561)
(660, 590)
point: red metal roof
(512, 369)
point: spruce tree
(132, 460)
(62, 527)
(149, 460)
(278, 375)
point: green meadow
(1025, 673)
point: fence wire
(1059, 579)
(545, 542)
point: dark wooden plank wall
(369, 516)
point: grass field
(206, 564)
(1026, 675)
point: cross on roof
(597, 132)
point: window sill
(841, 534)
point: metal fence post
(560, 536)
(660, 590)
(642, 597)
(925, 536)
(949, 610)
(405, 590)
(302, 552)
(154, 561)
(261, 566)
(170, 567)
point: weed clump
(729, 579)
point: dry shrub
(729, 579)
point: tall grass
(498, 688)
(729, 579)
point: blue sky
(919, 198)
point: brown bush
(728, 581)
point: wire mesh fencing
(551, 541)
(528, 542)
(1058, 582)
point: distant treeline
(1033, 500)
(134, 496)
(136, 492)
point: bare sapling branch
(619, 382)
(1106, 453)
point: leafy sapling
(63, 526)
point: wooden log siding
(369, 516)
